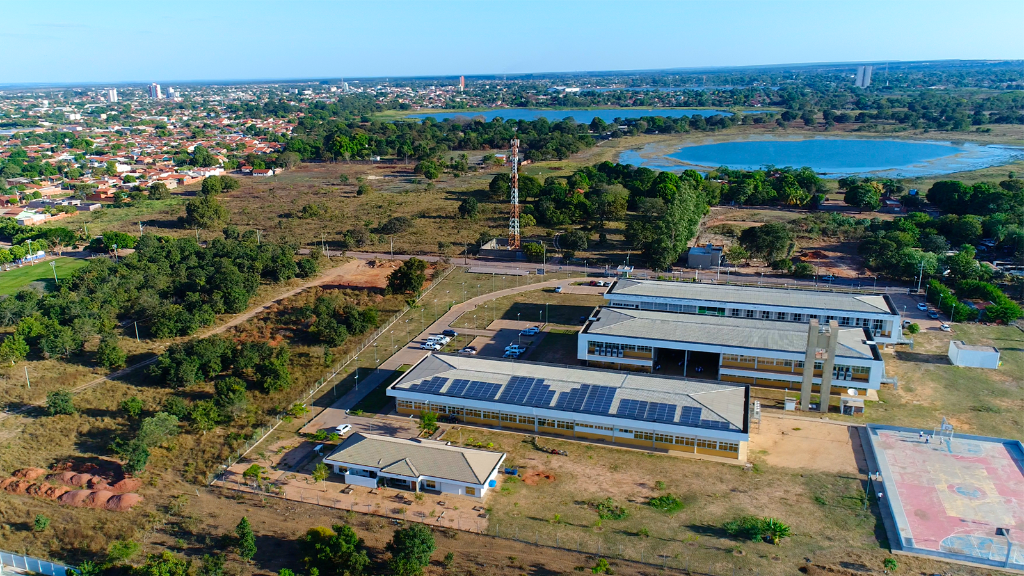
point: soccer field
(17, 278)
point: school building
(875, 313)
(685, 417)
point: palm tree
(774, 529)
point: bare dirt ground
(805, 443)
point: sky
(100, 41)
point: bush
(132, 407)
(914, 328)
(40, 523)
(534, 252)
(666, 503)
(747, 527)
(122, 550)
(608, 510)
(60, 402)
(785, 265)
(109, 354)
(410, 550)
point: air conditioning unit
(878, 333)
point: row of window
(873, 323)
(569, 425)
(607, 347)
(792, 364)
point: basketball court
(951, 496)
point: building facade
(875, 312)
(702, 419)
(762, 353)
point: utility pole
(27, 383)
(392, 247)
(920, 275)
(53, 264)
(137, 331)
(140, 227)
(257, 237)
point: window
(689, 309)
(861, 370)
(508, 417)
(798, 317)
(624, 431)
(430, 485)
(750, 313)
(526, 420)
(545, 423)
(684, 441)
(844, 321)
(729, 446)
(565, 425)
(819, 365)
(780, 315)
(663, 438)
(707, 444)
(766, 315)
(470, 491)
(736, 312)
(491, 415)
(470, 413)
(799, 364)
(643, 435)
(407, 404)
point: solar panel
(599, 399)
(661, 412)
(432, 386)
(629, 408)
(458, 388)
(690, 416)
(572, 399)
(540, 394)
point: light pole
(53, 264)
(519, 339)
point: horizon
(104, 43)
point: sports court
(951, 495)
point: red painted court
(949, 497)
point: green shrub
(608, 510)
(41, 523)
(60, 402)
(666, 503)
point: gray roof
(960, 344)
(413, 458)
(763, 296)
(719, 331)
(628, 395)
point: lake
(832, 157)
(581, 116)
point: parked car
(922, 306)
(828, 278)
(933, 314)
(450, 332)
(603, 283)
(435, 346)
(558, 289)
(471, 350)
(511, 354)
(945, 328)
(593, 282)
(343, 429)
(515, 348)
(532, 330)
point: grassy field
(17, 278)
(543, 306)
(826, 512)
(974, 400)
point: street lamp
(53, 264)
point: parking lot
(920, 317)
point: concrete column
(809, 357)
(826, 371)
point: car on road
(933, 314)
(532, 330)
(450, 333)
(828, 278)
(558, 289)
(470, 350)
(343, 429)
(945, 328)
(922, 306)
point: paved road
(411, 354)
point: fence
(261, 433)
(30, 564)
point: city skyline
(345, 40)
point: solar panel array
(527, 391)
(642, 410)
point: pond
(831, 157)
(579, 115)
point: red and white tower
(513, 221)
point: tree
(159, 191)
(204, 415)
(166, 564)
(500, 188)
(122, 550)
(13, 349)
(246, 539)
(210, 566)
(736, 254)
(428, 421)
(364, 190)
(134, 453)
(410, 550)
(158, 429)
(469, 208)
(863, 196)
(408, 278)
(212, 186)
(575, 240)
(60, 402)
(132, 407)
(109, 353)
(534, 251)
(962, 265)
(40, 523)
(429, 169)
(914, 328)
(768, 242)
(254, 472)
(320, 472)
(338, 551)
(205, 212)
(802, 270)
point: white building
(876, 312)
(967, 356)
(112, 95)
(418, 465)
(155, 92)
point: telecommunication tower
(513, 221)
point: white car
(343, 429)
(922, 306)
(558, 289)
(435, 346)
(511, 354)
(532, 330)
(442, 340)
(828, 278)
(945, 328)
(516, 348)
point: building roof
(628, 395)
(961, 345)
(764, 296)
(720, 331)
(412, 458)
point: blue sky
(164, 41)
